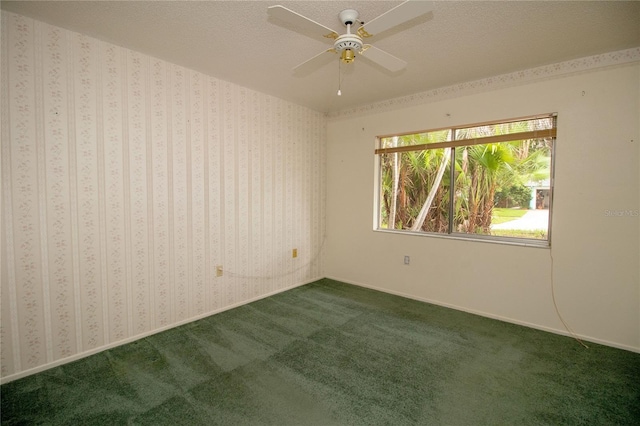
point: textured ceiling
(457, 42)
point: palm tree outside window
(475, 181)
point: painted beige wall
(126, 180)
(595, 257)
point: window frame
(453, 144)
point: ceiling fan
(350, 43)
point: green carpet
(329, 353)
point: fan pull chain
(339, 80)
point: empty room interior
(320, 212)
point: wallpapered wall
(127, 179)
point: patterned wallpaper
(126, 180)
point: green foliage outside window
(415, 185)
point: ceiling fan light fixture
(346, 45)
(347, 56)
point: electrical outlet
(294, 252)
(407, 260)
(219, 271)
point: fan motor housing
(348, 41)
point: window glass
(501, 189)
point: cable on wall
(555, 305)
(311, 261)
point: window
(486, 181)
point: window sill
(522, 242)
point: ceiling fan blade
(382, 58)
(398, 15)
(303, 23)
(310, 65)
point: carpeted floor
(329, 353)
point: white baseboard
(492, 316)
(85, 354)
(112, 345)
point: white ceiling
(458, 42)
